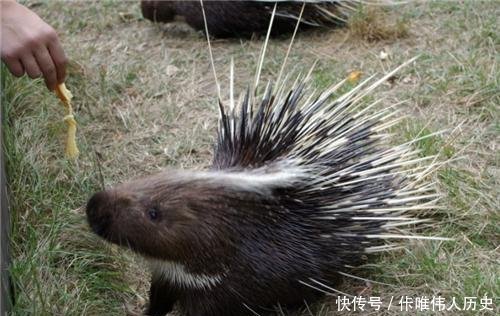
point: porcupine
(244, 18)
(303, 186)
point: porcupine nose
(98, 213)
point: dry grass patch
(374, 23)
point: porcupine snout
(99, 213)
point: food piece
(65, 95)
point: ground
(145, 100)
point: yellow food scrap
(65, 96)
(354, 76)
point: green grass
(145, 100)
(58, 268)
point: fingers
(15, 66)
(46, 65)
(42, 62)
(59, 59)
(51, 63)
(29, 45)
(31, 66)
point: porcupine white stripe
(177, 274)
(257, 180)
(261, 180)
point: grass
(50, 242)
(145, 100)
(371, 24)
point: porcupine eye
(153, 214)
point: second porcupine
(302, 187)
(244, 18)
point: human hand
(29, 45)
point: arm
(29, 45)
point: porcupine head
(217, 241)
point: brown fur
(184, 221)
